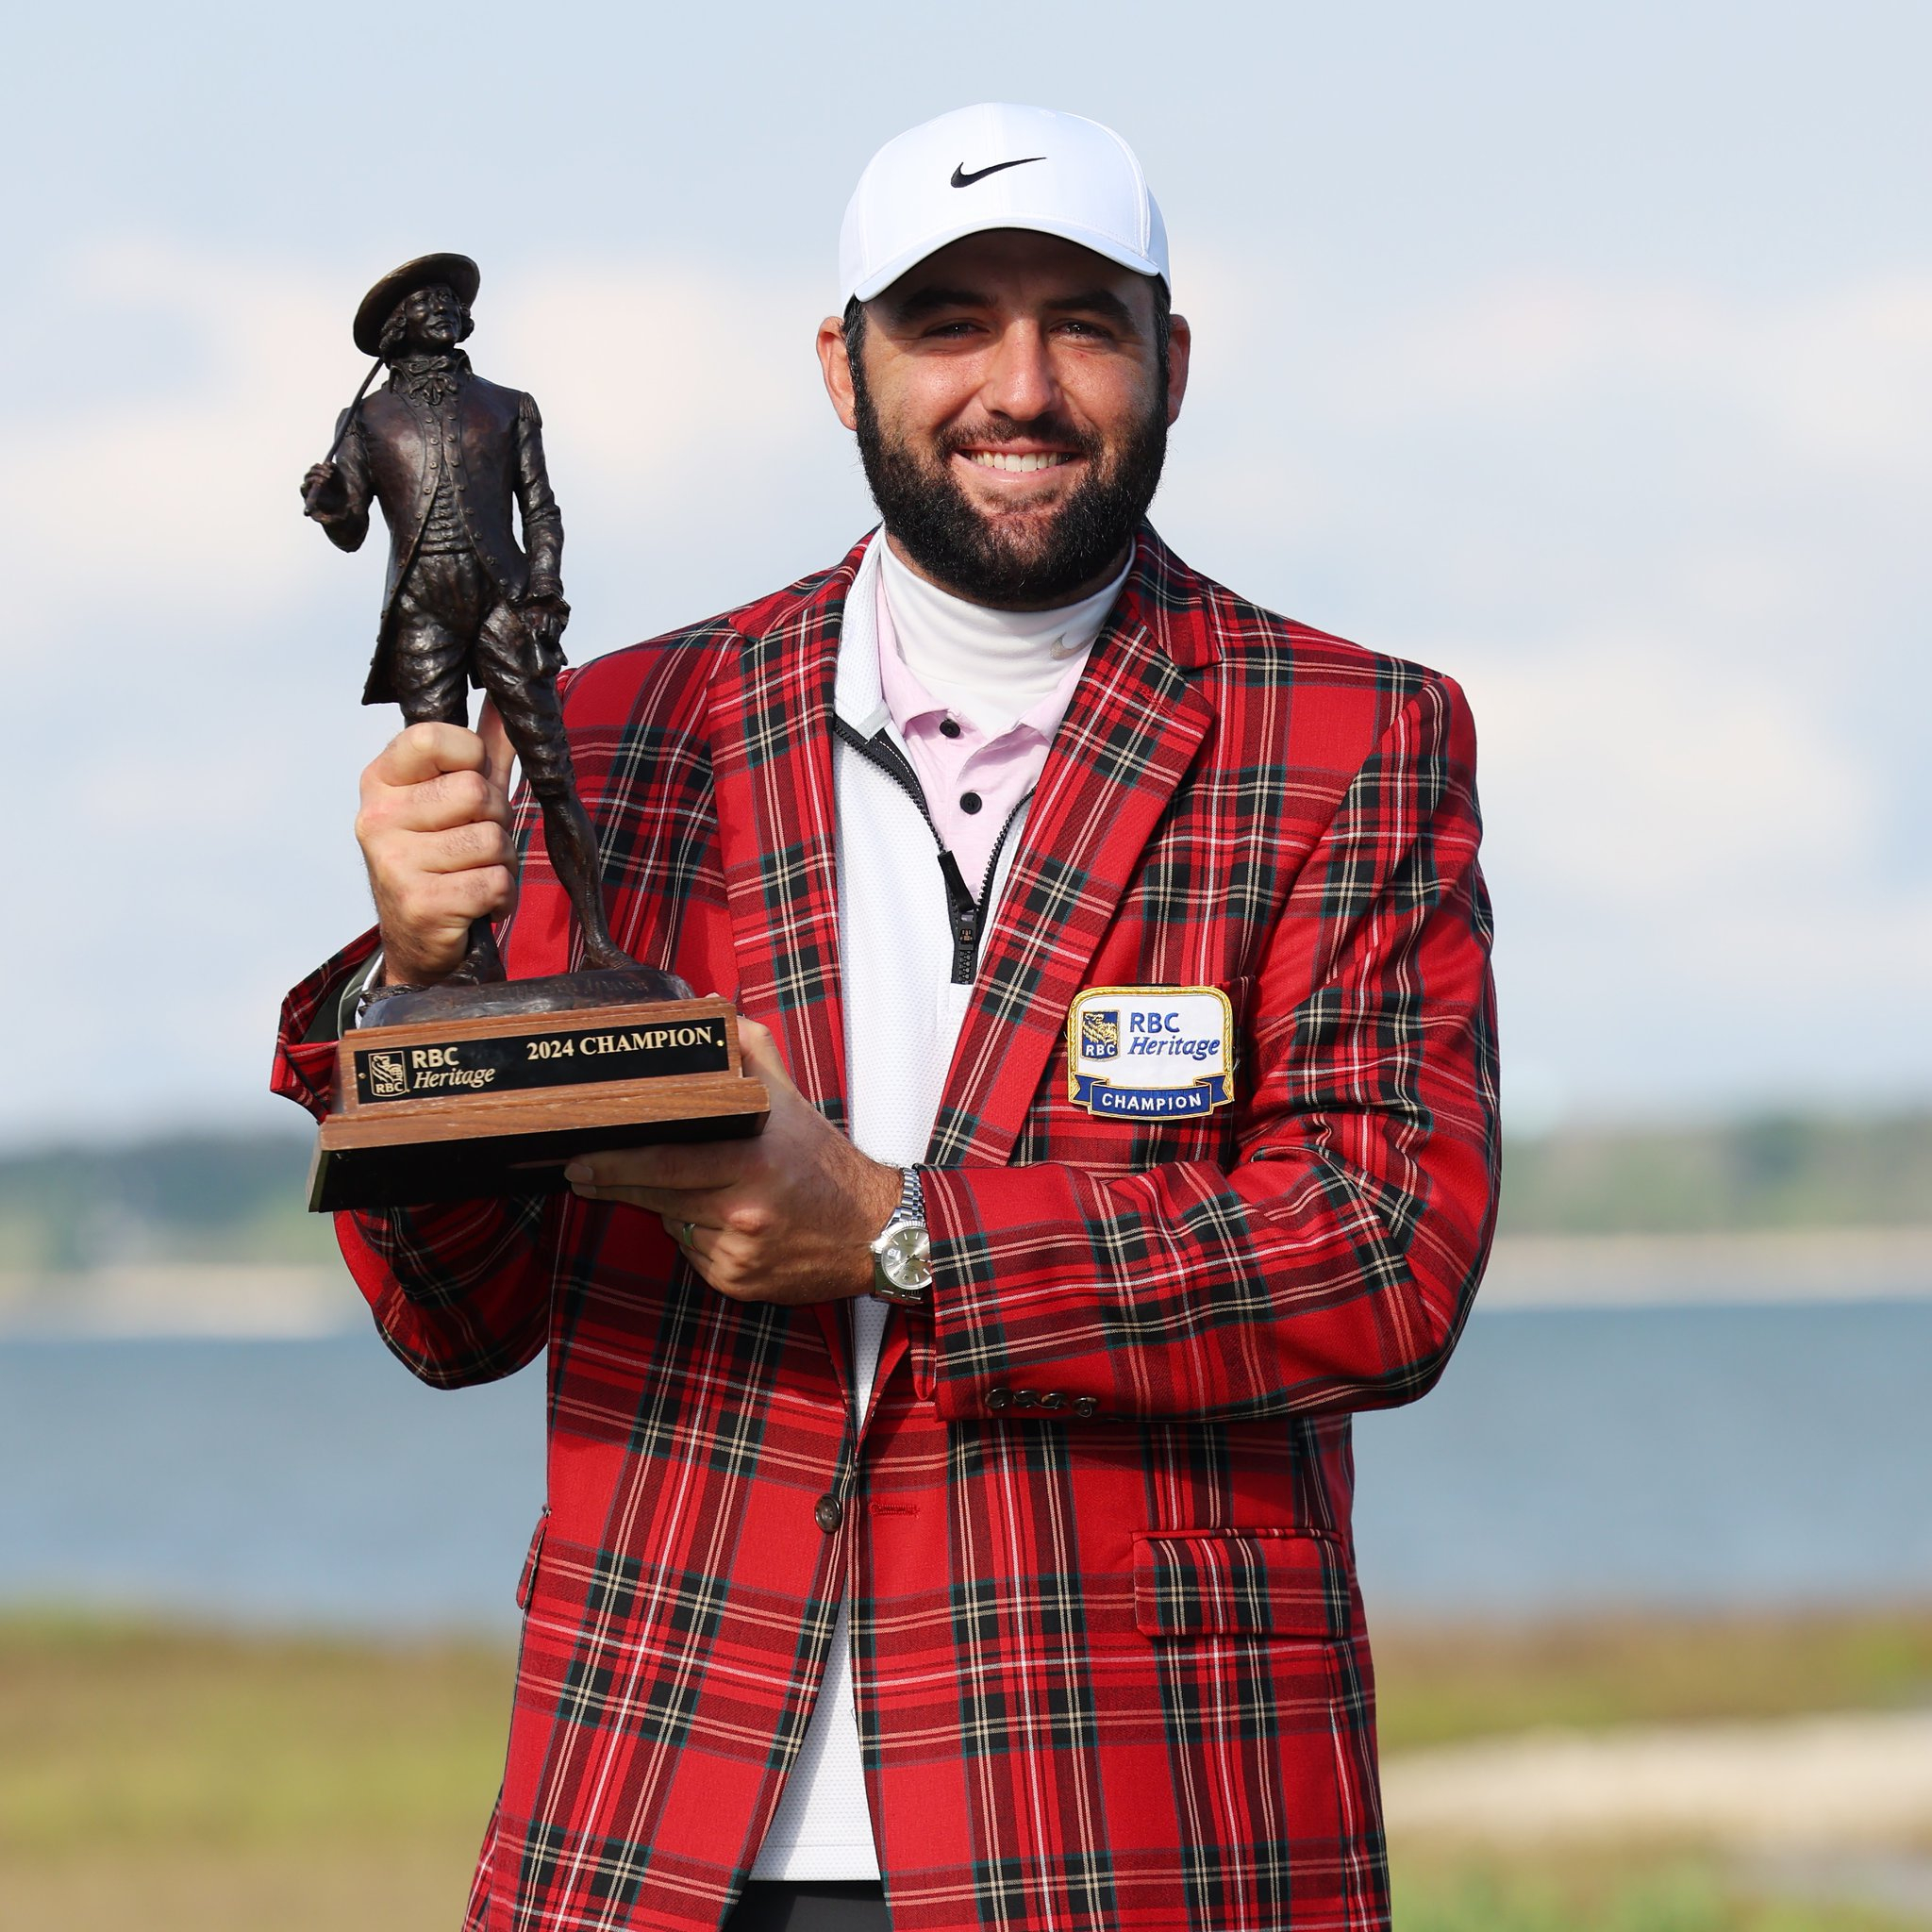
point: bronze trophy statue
(480, 1082)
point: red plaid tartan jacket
(1111, 1662)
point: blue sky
(1583, 352)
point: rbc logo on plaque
(1100, 1033)
(1151, 1053)
(387, 1076)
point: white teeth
(994, 460)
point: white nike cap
(997, 166)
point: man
(1125, 965)
(445, 453)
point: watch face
(906, 1259)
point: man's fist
(434, 828)
(324, 492)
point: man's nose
(1020, 383)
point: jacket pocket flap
(1274, 1582)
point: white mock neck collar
(992, 665)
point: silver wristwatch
(901, 1259)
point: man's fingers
(759, 1051)
(436, 804)
(422, 752)
(693, 1237)
(700, 1206)
(449, 901)
(638, 1167)
(465, 847)
(498, 753)
(698, 1169)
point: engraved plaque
(452, 1109)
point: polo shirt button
(828, 1513)
(970, 801)
(949, 728)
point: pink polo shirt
(972, 779)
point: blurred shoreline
(285, 1302)
(1607, 1271)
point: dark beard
(953, 544)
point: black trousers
(856, 1904)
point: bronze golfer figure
(445, 454)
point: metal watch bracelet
(901, 1259)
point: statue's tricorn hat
(456, 272)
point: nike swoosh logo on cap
(963, 179)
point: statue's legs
(428, 664)
(506, 666)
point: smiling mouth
(1017, 465)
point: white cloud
(1845, 375)
(666, 385)
(1640, 779)
(185, 498)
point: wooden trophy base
(434, 1103)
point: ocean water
(1571, 1459)
(1714, 1457)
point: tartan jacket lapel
(771, 733)
(1128, 740)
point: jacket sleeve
(350, 525)
(460, 1293)
(537, 506)
(1332, 1267)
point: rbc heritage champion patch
(1154, 1053)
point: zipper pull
(958, 893)
(965, 918)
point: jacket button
(1085, 1407)
(1053, 1399)
(828, 1513)
(1025, 1398)
(998, 1398)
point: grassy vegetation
(1775, 1172)
(1624, 1891)
(179, 1779)
(1439, 1685)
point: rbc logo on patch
(1100, 1033)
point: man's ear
(835, 363)
(1180, 344)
